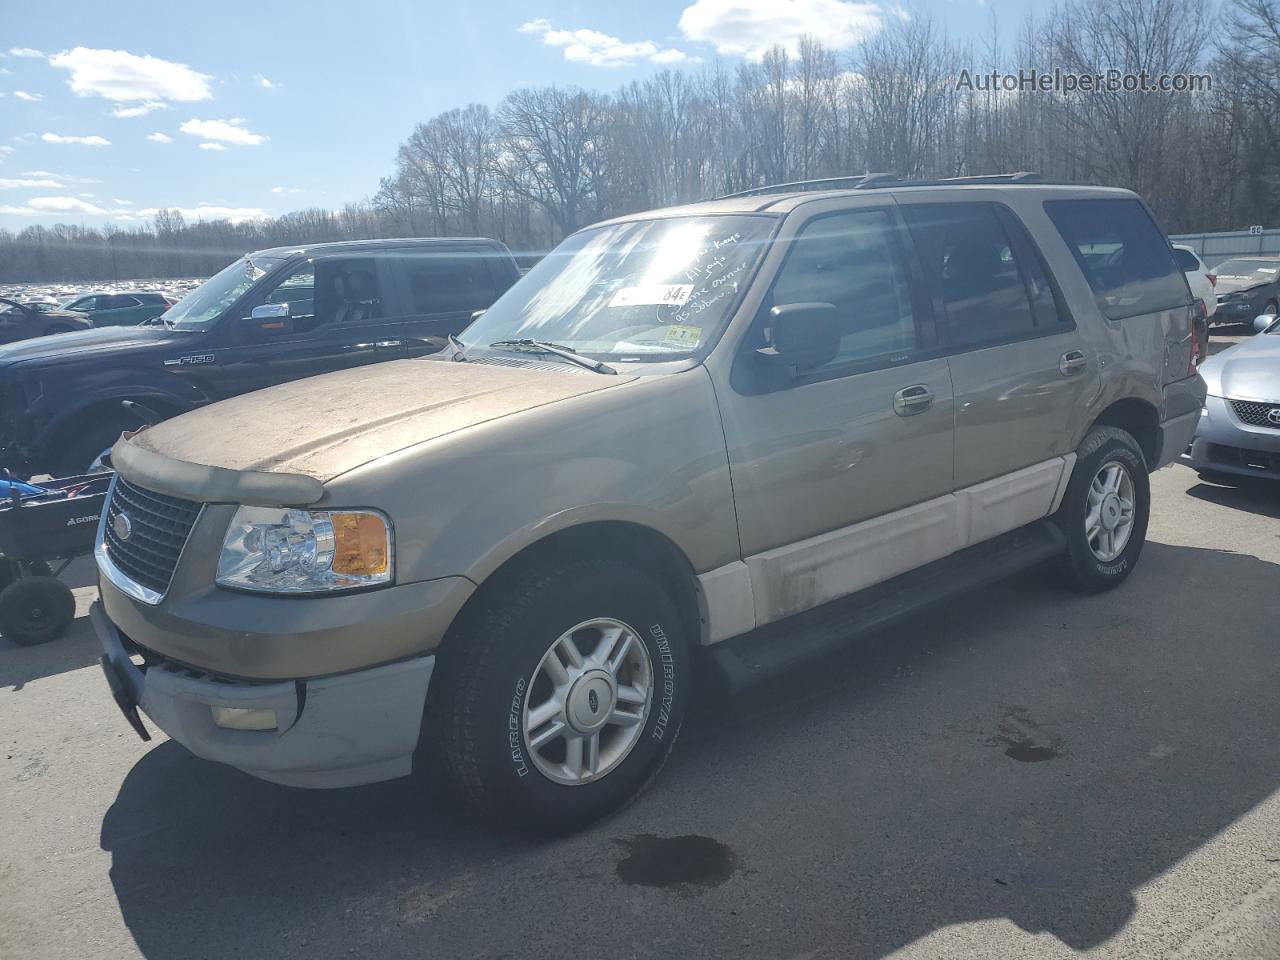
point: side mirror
(477, 314)
(271, 319)
(1262, 321)
(801, 335)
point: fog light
(244, 718)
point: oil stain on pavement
(1023, 739)
(688, 861)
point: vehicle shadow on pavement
(75, 649)
(1252, 494)
(1024, 753)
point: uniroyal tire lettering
(513, 730)
(668, 680)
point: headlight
(278, 550)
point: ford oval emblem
(122, 526)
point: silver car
(1239, 430)
(738, 432)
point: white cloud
(5, 72)
(63, 205)
(26, 52)
(263, 82)
(29, 183)
(748, 28)
(7, 149)
(64, 177)
(230, 131)
(123, 77)
(90, 141)
(160, 137)
(600, 49)
(141, 110)
(122, 203)
(29, 97)
(206, 212)
(212, 146)
(286, 190)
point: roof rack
(869, 181)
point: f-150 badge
(190, 360)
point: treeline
(548, 160)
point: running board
(776, 647)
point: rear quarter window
(1125, 257)
(1186, 260)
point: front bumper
(1235, 311)
(1225, 444)
(335, 731)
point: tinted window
(854, 261)
(1185, 259)
(298, 291)
(1126, 259)
(969, 258)
(151, 298)
(447, 283)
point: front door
(336, 320)
(863, 435)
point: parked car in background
(1199, 278)
(272, 316)
(1239, 430)
(1246, 288)
(750, 428)
(20, 321)
(121, 309)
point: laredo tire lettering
(668, 681)
(514, 733)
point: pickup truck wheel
(85, 449)
(1105, 510)
(563, 696)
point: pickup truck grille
(158, 526)
(1257, 414)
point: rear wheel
(562, 698)
(1105, 510)
(36, 610)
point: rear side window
(1126, 259)
(1186, 260)
(993, 288)
(447, 283)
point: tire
(82, 453)
(35, 610)
(1272, 308)
(10, 571)
(1088, 565)
(496, 674)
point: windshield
(643, 291)
(203, 305)
(1259, 270)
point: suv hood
(1248, 371)
(60, 346)
(324, 426)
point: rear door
(1019, 367)
(440, 291)
(336, 320)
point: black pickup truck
(271, 316)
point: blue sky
(109, 110)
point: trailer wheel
(10, 571)
(36, 610)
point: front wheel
(1105, 510)
(562, 697)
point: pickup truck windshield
(642, 291)
(203, 305)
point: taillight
(1213, 279)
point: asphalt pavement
(1023, 773)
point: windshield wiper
(459, 348)
(555, 349)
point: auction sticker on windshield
(655, 294)
(683, 335)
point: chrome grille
(1257, 414)
(159, 526)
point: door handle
(911, 400)
(387, 343)
(1073, 361)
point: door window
(854, 261)
(331, 292)
(1123, 254)
(297, 289)
(986, 288)
(447, 284)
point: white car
(1201, 281)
